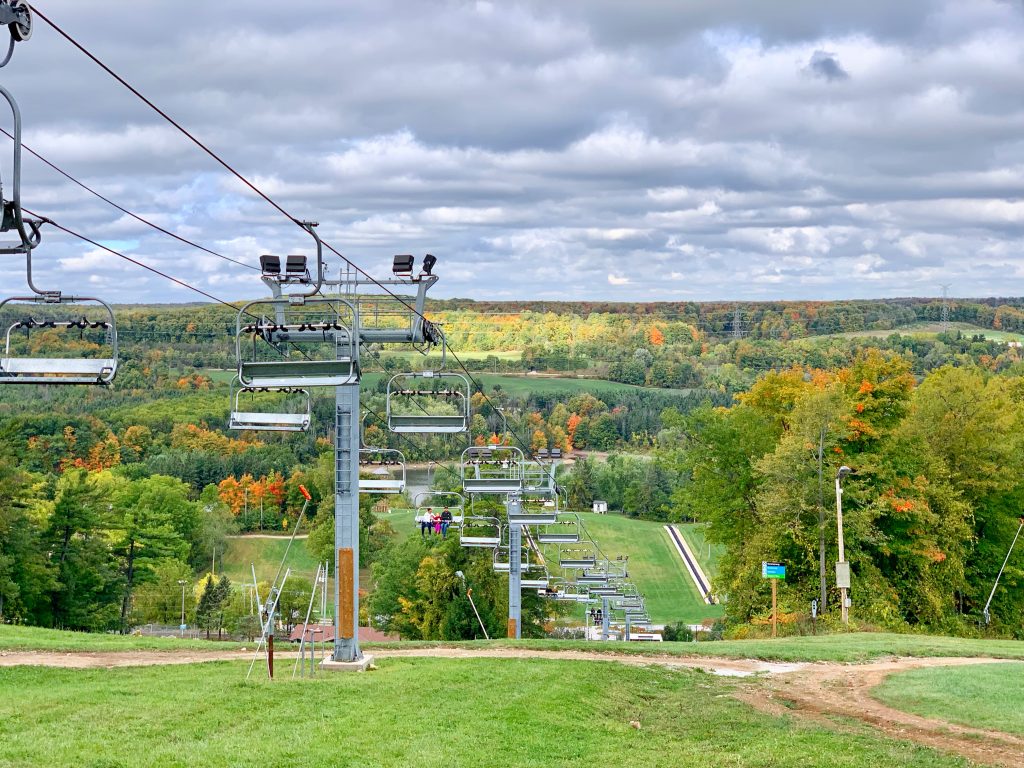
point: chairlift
(494, 469)
(295, 419)
(533, 583)
(480, 531)
(384, 470)
(529, 512)
(22, 363)
(307, 341)
(410, 402)
(565, 529)
(576, 558)
(450, 500)
(501, 561)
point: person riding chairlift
(426, 520)
(446, 520)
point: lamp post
(842, 567)
(469, 594)
(182, 583)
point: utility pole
(842, 567)
(945, 307)
(737, 323)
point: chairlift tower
(327, 333)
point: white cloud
(573, 150)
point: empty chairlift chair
(428, 402)
(381, 470)
(577, 558)
(280, 343)
(497, 469)
(564, 530)
(480, 531)
(531, 511)
(270, 409)
(62, 340)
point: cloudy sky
(579, 149)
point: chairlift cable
(138, 263)
(125, 211)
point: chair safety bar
(19, 368)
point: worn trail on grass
(822, 692)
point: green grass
(16, 638)
(980, 696)
(414, 712)
(266, 554)
(464, 354)
(707, 555)
(654, 567)
(526, 385)
(924, 329)
(848, 648)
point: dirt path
(824, 691)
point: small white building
(600, 507)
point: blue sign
(773, 571)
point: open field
(980, 696)
(422, 712)
(514, 385)
(17, 638)
(926, 329)
(654, 566)
(266, 553)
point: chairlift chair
(406, 405)
(576, 558)
(563, 530)
(533, 583)
(294, 420)
(495, 469)
(501, 561)
(386, 468)
(309, 341)
(450, 500)
(530, 512)
(19, 365)
(480, 531)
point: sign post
(774, 572)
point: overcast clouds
(585, 149)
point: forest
(109, 498)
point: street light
(842, 567)
(469, 594)
(182, 582)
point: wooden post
(775, 607)
(270, 654)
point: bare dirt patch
(820, 691)
(108, 659)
